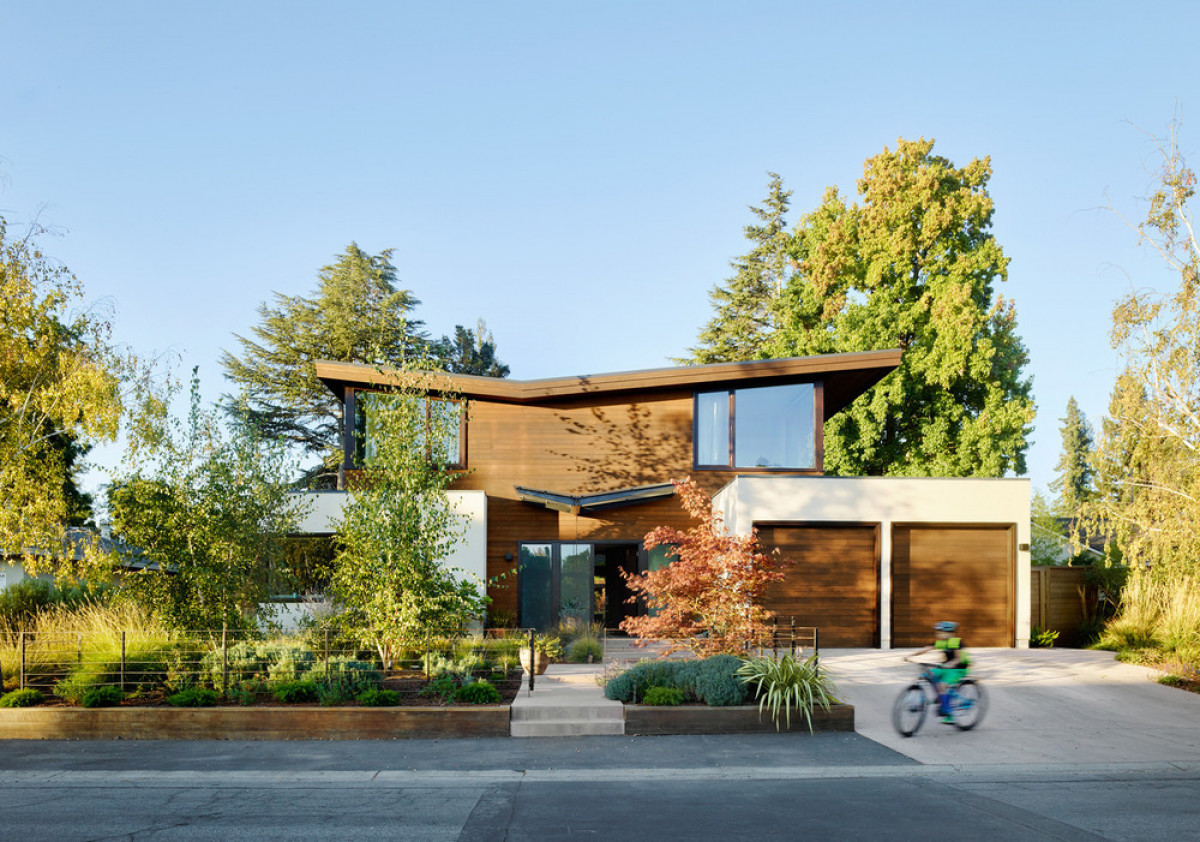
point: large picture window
(766, 427)
(444, 419)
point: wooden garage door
(960, 573)
(834, 584)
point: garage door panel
(961, 573)
(834, 584)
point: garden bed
(650, 721)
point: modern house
(561, 479)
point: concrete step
(567, 728)
(611, 712)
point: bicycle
(967, 703)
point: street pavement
(1074, 747)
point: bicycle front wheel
(909, 711)
(968, 705)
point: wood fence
(1059, 600)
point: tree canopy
(469, 352)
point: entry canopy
(586, 504)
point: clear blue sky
(577, 174)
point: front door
(575, 584)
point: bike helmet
(946, 627)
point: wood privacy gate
(1058, 600)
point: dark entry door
(556, 583)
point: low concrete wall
(253, 723)
(648, 721)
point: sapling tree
(399, 525)
(708, 598)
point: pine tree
(469, 352)
(1075, 483)
(744, 306)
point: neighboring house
(563, 477)
(76, 538)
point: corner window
(441, 436)
(767, 427)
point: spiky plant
(786, 683)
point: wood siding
(834, 584)
(1057, 597)
(960, 573)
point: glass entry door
(556, 584)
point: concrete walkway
(567, 701)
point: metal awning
(586, 504)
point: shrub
(1169, 680)
(664, 696)
(194, 697)
(479, 692)
(291, 692)
(102, 697)
(246, 692)
(788, 683)
(333, 693)
(1041, 638)
(631, 685)
(717, 683)
(585, 650)
(22, 698)
(355, 676)
(378, 698)
(443, 687)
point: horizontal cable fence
(68, 663)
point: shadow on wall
(626, 447)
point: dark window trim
(353, 435)
(818, 432)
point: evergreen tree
(744, 315)
(469, 352)
(357, 314)
(913, 266)
(1075, 482)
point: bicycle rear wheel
(909, 711)
(968, 705)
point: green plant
(500, 618)
(1169, 680)
(193, 697)
(102, 697)
(585, 650)
(717, 684)
(291, 692)
(248, 691)
(631, 685)
(334, 693)
(479, 692)
(22, 698)
(665, 696)
(1041, 638)
(378, 698)
(549, 645)
(788, 683)
(443, 687)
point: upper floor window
(439, 427)
(763, 427)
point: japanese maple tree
(708, 598)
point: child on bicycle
(953, 669)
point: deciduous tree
(913, 266)
(708, 598)
(399, 526)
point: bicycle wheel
(968, 705)
(909, 711)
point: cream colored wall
(887, 501)
(469, 555)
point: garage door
(834, 584)
(960, 573)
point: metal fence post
(122, 662)
(224, 657)
(533, 660)
(327, 653)
(22, 660)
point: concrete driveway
(1045, 706)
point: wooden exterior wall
(951, 572)
(585, 446)
(834, 584)
(1057, 596)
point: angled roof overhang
(846, 376)
(587, 504)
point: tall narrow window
(712, 428)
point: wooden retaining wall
(647, 720)
(252, 723)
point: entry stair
(567, 701)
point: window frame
(356, 408)
(818, 428)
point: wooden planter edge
(647, 720)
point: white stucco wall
(469, 556)
(748, 500)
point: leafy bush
(378, 698)
(194, 697)
(585, 650)
(1169, 680)
(355, 676)
(331, 693)
(717, 684)
(631, 685)
(22, 698)
(788, 683)
(1041, 638)
(248, 691)
(290, 692)
(102, 697)
(479, 692)
(664, 696)
(443, 687)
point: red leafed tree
(708, 598)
